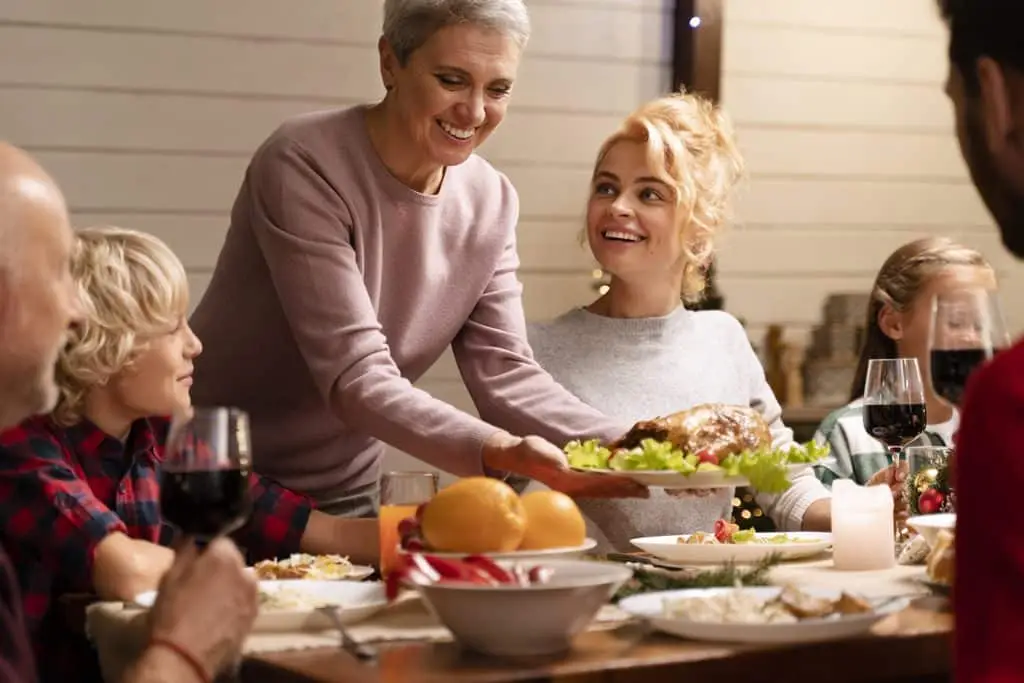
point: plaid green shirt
(855, 454)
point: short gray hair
(408, 24)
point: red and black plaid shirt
(63, 490)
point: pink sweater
(338, 286)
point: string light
(694, 22)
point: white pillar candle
(863, 532)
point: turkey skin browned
(717, 428)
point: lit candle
(863, 532)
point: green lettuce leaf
(587, 454)
(765, 469)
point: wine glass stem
(896, 452)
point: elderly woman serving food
(366, 241)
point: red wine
(205, 503)
(950, 370)
(895, 424)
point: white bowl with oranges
(484, 516)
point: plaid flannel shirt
(63, 490)
(855, 454)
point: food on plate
(552, 521)
(729, 534)
(473, 515)
(740, 606)
(711, 437)
(418, 568)
(304, 566)
(940, 560)
(481, 515)
(291, 599)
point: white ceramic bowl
(516, 621)
(929, 526)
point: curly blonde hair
(692, 140)
(131, 287)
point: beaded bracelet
(189, 658)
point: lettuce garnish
(765, 468)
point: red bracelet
(189, 658)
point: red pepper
(426, 564)
(458, 570)
(492, 568)
(538, 575)
(724, 530)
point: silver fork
(361, 652)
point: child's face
(915, 322)
(159, 381)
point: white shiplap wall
(148, 112)
(849, 140)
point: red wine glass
(967, 329)
(204, 487)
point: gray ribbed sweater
(634, 369)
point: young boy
(79, 488)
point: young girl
(660, 193)
(897, 326)
(79, 489)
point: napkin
(118, 631)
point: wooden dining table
(911, 645)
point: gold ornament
(925, 479)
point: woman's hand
(895, 478)
(538, 459)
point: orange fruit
(474, 515)
(552, 521)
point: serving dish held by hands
(707, 446)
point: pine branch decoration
(649, 579)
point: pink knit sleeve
(303, 228)
(508, 387)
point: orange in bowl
(474, 515)
(552, 521)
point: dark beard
(1004, 203)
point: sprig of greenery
(650, 579)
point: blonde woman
(897, 326)
(80, 487)
(660, 194)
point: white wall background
(147, 113)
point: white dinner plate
(670, 479)
(805, 544)
(649, 606)
(521, 555)
(354, 601)
(357, 572)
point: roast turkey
(714, 427)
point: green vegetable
(765, 469)
(744, 536)
(588, 454)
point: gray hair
(408, 24)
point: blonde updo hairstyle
(131, 287)
(691, 145)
